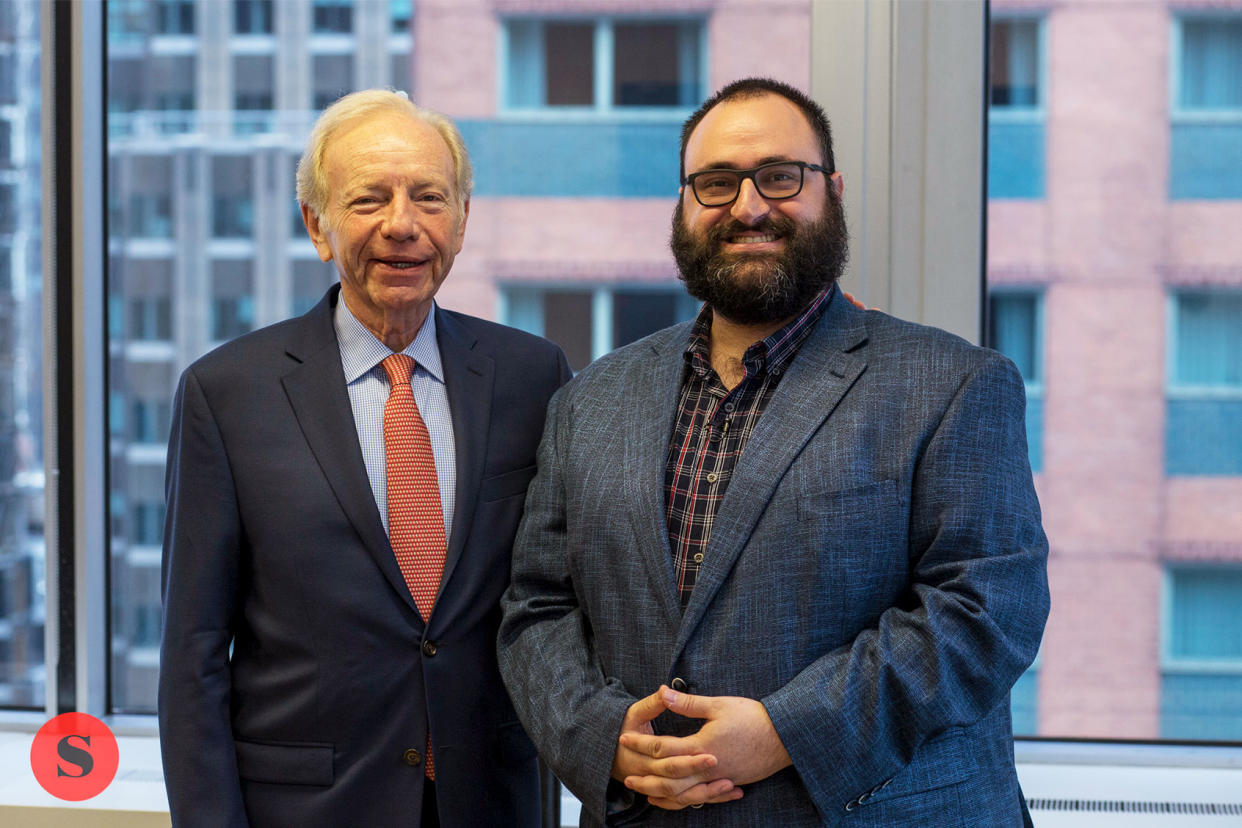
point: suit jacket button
(678, 684)
(412, 758)
(429, 647)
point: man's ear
(461, 228)
(317, 231)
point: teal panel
(1015, 159)
(1035, 431)
(591, 159)
(1023, 703)
(1206, 161)
(1201, 707)
(1203, 437)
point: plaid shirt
(713, 426)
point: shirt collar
(772, 353)
(361, 350)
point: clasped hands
(736, 745)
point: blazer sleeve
(202, 550)
(973, 619)
(547, 656)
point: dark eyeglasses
(775, 180)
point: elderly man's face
(392, 223)
(758, 260)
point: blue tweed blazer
(876, 576)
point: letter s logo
(74, 755)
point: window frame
(1179, 114)
(917, 275)
(602, 80)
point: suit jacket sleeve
(973, 617)
(574, 713)
(202, 551)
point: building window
(149, 215)
(252, 16)
(231, 316)
(147, 524)
(150, 318)
(232, 300)
(311, 279)
(588, 322)
(603, 64)
(150, 420)
(1206, 122)
(1204, 418)
(1211, 63)
(332, 76)
(1201, 687)
(1015, 111)
(332, 17)
(402, 11)
(1015, 328)
(174, 17)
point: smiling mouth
(401, 264)
(752, 238)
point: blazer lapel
(819, 376)
(315, 386)
(468, 376)
(649, 425)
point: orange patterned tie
(415, 518)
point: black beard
(763, 288)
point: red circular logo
(74, 756)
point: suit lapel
(468, 376)
(819, 376)
(316, 389)
(649, 424)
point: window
(22, 550)
(150, 318)
(402, 11)
(174, 17)
(252, 16)
(1203, 433)
(1201, 687)
(333, 77)
(607, 64)
(255, 78)
(1015, 328)
(311, 279)
(232, 213)
(150, 421)
(332, 16)
(1015, 115)
(1206, 140)
(232, 305)
(591, 321)
(1211, 64)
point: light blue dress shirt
(367, 382)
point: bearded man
(782, 564)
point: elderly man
(782, 564)
(343, 490)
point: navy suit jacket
(876, 576)
(273, 547)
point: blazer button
(678, 684)
(429, 647)
(412, 758)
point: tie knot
(399, 368)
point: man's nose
(749, 206)
(400, 218)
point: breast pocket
(857, 521)
(508, 484)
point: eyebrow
(728, 165)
